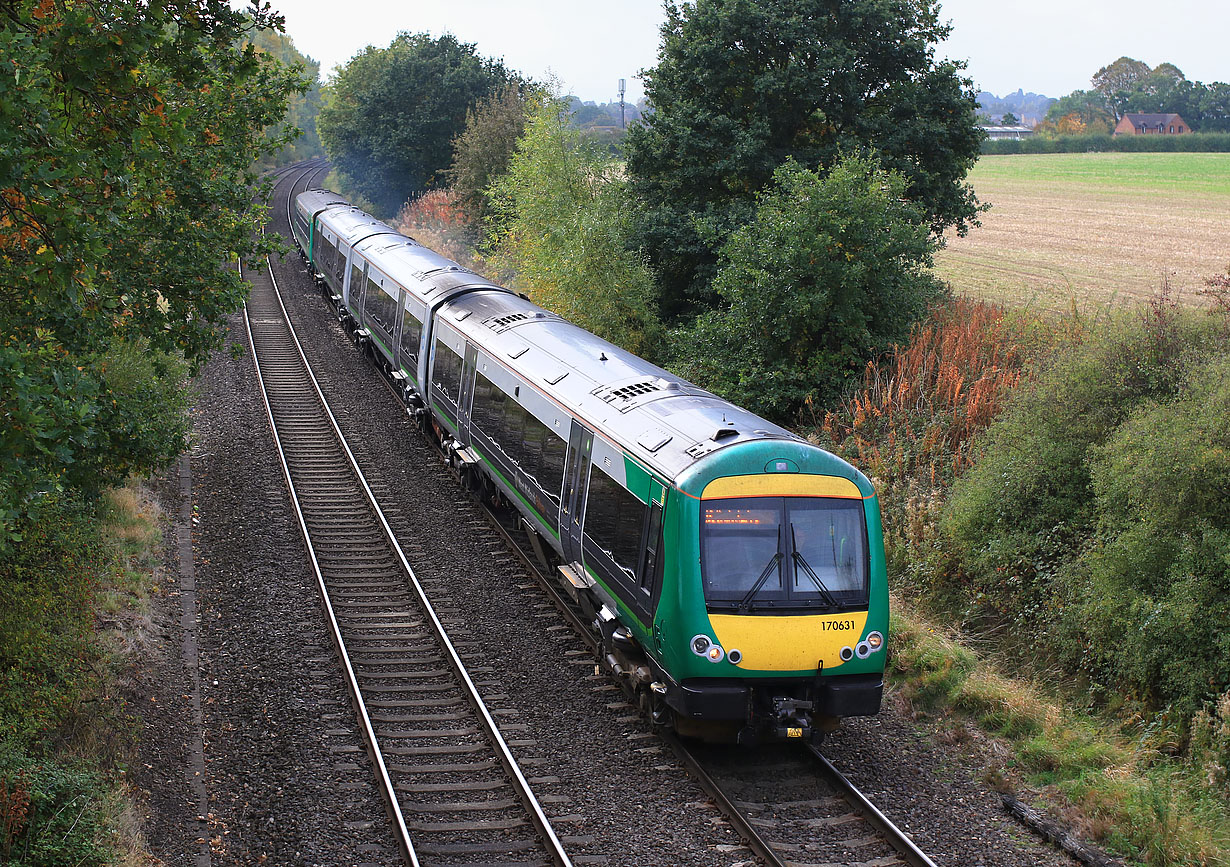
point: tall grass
(438, 220)
(913, 422)
(73, 605)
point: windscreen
(783, 552)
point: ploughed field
(1098, 228)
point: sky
(1050, 47)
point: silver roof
(420, 270)
(312, 201)
(664, 421)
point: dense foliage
(483, 150)
(52, 815)
(913, 421)
(62, 712)
(561, 221)
(740, 87)
(128, 132)
(391, 114)
(302, 108)
(831, 271)
(1095, 525)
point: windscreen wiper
(800, 560)
(764, 576)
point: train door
(356, 285)
(576, 477)
(467, 391)
(650, 567)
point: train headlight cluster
(702, 646)
(874, 643)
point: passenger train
(734, 571)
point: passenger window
(653, 544)
(524, 440)
(411, 335)
(613, 521)
(379, 307)
(446, 372)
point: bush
(1092, 526)
(51, 815)
(47, 656)
(1156, 614)
(117, 412)
(830, 273)
(913, 422)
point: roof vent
(724, 433)
(499, 323)
(629, 391)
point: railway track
(824, 820)
(453, 788)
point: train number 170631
(836, 625)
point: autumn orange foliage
(928, 399)
(913, 424)
(437, 220)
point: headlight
(863, 650)
(847, 653)
(875, 641)
(715, 654)
(735, 656)
(700, 645)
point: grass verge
(1134, 800)
(74, 607)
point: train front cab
(783, 621)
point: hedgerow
(1093, 528)
(1078, 144)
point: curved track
(453, 789)
(825, 821)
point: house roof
(1150, 119)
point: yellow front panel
(781, 485)
(793, 643)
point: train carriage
(735, 571)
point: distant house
(1010, 132)
(1152, 124)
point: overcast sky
(1045, 46)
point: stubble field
(1095, 229)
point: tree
(482, 151)
(128, 132)
(1009, 119)
(742, 86)
(303, 108)
(1114, 80)
(832, 270)
(1214, 106)
(391, 114)
(1070, 124)
(561, 219)
(1090, 107)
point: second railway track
(454, 791)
